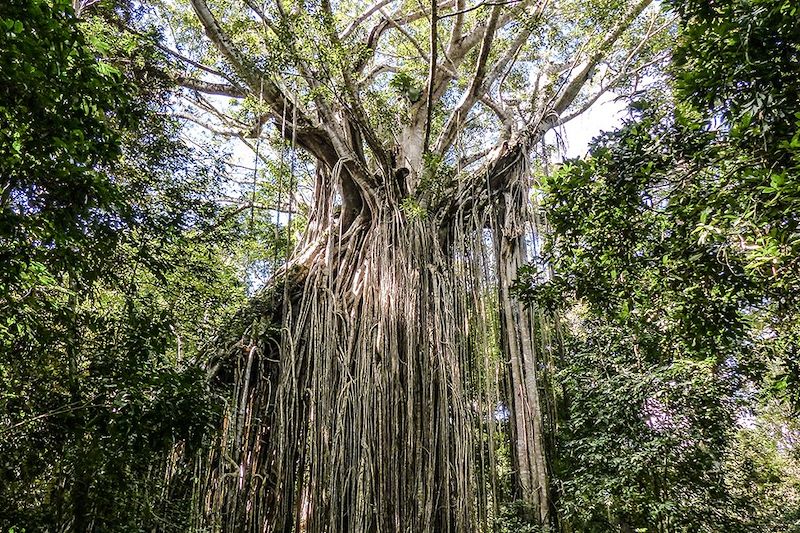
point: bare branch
(213, 128)
(462, 11)
(624, 72)
(505, 119)
(257, 83)
(431, 75)
(224, 44)
(205, 68)
(203, 104)
(457, 50)
(374, 8)
(398, 26)
(316, 139)
(470, 159)
(207, 87)
(570, 92)
(472, 94)
(395, 21)
(376, 71)
(264, 19)
(516, 45)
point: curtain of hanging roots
(380, 404)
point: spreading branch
(207, 87)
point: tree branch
(207, 87)
(397, 25)
(374, 8)
(472, 94)
(394, 21)
(213, 128)
(431, 76)
(309, 136)
(572, 89)
(604, 89)
(257, 83)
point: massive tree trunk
(513, 231)
(372, 406)
(373, 379)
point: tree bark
(359, 412)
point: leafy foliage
(674, 253)
(111, 277)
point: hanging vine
(386, 376)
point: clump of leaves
(108, 282)
(406, 86)
(412, 208)
(517, 517)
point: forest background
(145, 266)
